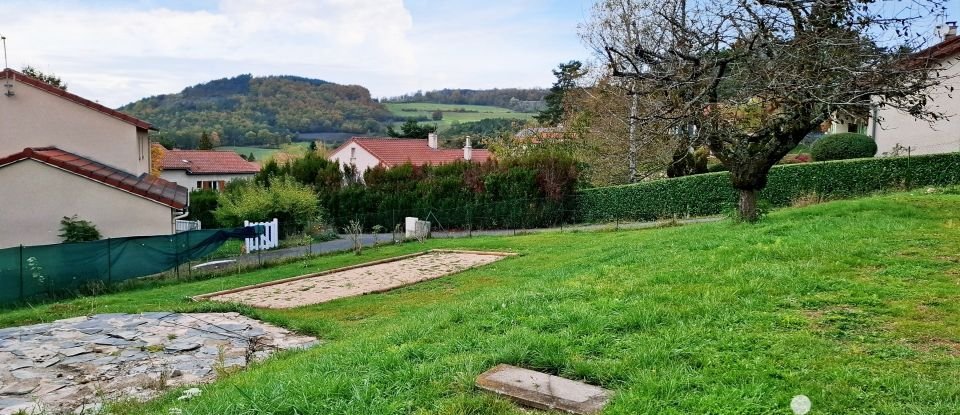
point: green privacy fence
(30, 271)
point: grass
(260, 153)
(853, 303)
(416, 109)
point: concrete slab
(544, 391)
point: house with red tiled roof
(64, 155)
(897, 130)
(369, 152)
(205, 169)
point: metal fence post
(21, 271)
(176, 253)
(109, 262)
(189, 258)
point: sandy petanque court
(362, 279)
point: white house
(898, 130)
(369, 152)
(63, 155)
(205, 169)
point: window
(210, 184)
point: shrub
(795, 159)
(843, 146)
(711, 194)
(292, 203)
(203, 202)
(73, 229)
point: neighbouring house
(205, 169)
(369, 152)
(897, 130)
(63, 155)
(844, 124)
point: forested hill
(517, 99)
(247, 110)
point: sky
(115, 51)
(118, 51)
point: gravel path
(357, 281)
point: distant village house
(369, 152)
(205, 169)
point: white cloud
(120, 54)
(123, 54)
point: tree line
(246, 110)
(517, 99)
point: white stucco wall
(190, 180)
(35, 118)
(361, 157)
(36, 196)
(896, 127)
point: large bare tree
(751, 78)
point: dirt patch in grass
(843, 322)
(934, 344)
(357, 281)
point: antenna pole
(5, 63)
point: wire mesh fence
(31, 271)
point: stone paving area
(72, 365)
(367, 279)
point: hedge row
(533, 190)
(711, 194)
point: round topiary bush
(843, 146)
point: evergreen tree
(251, 157)
(313, 146)
(205, 142)
(567, 74)
(412, 129)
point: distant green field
(260, 153)
(416, 109)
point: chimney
(467, 150)
(948, 31)
(432, 140)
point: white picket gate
(269, 239)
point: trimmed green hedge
(843, 146)
(711, 194)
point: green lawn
(853, 303)
(260, 153)
(482, 112)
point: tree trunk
(747, 210)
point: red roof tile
(36, 83)
(396, 151)
(207, 162)
(155, 189)
(940, 51)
